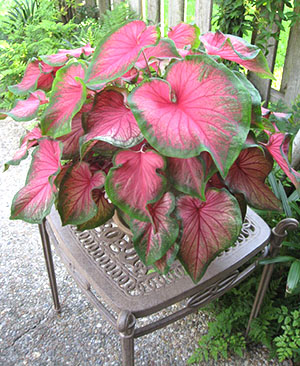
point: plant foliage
(123, 114)
(277, 326)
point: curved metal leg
(278, 235)
(49, 264)
(125, 326)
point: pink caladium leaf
(71, 140)
(255, 98)
(33, 202)
(208, 228)
(201, 106)
(75, 202)
(153, 239)
(67, 97)
(191, 175)
(112, 121)
(118, 52)
(164, 264)
(98, 147)
(247, 176)
(216, 182)
(185, 35)
(26, 110)
(278, 147)
(165, 49)
(37, 75)
(45, 80)
(62, 56)
(237, 49)
(105, 211)
(28, 141)
(135, 180)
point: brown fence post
(264, 85)
(290, 84)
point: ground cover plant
(156, 128)
(277, 327)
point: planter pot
(119, 219)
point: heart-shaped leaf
(67, 97)
(135, 180)
(191, 175)
(255, 97)
(117, 53)
(111, 121)
(60, 58)
(153, 239)
(75, 202)
(278, 147)
(37, 75)
(105, 211)
(33, 202)
(185, 35)
(164, 264)
(26, 110)
(237, 49)
(201, 107)
(248, 174)
(28, 141)
(208, 228)
(165, 49)
(71, 140)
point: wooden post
(101, 6)
(137, 6)
(176, 12)
(154, 9)
(264, 85)
(203, 14)
(290, 84)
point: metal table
(106, 267)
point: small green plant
(288, 343)
(277, 326)
(21, 11)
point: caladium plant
(156, 128)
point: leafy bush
(26, 37)
(38, 30)
(91, 30)
(277, 326)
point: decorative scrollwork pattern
(113, 252)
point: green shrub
(42, 32)
(26, 37)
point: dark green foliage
(230, 18)
(38, 30)
(277, 326)
(32, 36)
(92, 31)
(288, 343)
(241, 17)
(115, 18)
(21, 11)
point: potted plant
(156, 128)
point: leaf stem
(147, 65)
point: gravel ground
(31, 333)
